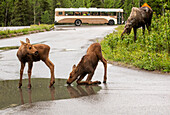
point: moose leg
(143, 28)
(88, 80)
(30, 64)
(105, 69)
(148, 25)
(135, 30)
(21, 74)
(51, 66)
(79, 82)
(105, 66)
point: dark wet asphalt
(127, 92)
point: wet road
(127, 92)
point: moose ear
(74, 66)
(22, 43)
(27, 40)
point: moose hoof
(104, 81)
(20, 84)
(50, 85)
(29, 86)
(99, 82)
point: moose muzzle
(36, 53)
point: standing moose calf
(32, 53)
(87, 65)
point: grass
(41, 28)
(150, 52)
(9, 48)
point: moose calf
(87, 65)
(32, 53)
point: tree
(22, 13)
(156, 5)
(45, 17)
(67, 3)
(53, 4)
(28, 14)
(78, 3)
(18, 13)
(6, 8)
(44, 5)
(35, 10)
(109, 3)
(88, 3)
(97, 3)
(2, 13)
(127, 8)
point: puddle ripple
(11, 96)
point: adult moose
(32, 53)
(139, 17)
(87, 65)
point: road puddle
(11, 96)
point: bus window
(112, 13)
(60, 13)
(104, 13)
(94, 13)
(77, 13)
(69, 13)
(98, 13)
(85, 13)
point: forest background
(27, 12)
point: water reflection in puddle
(11, 96)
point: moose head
(127, 28)
(28, 48)
(73, 75)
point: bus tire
(111, 22)
(78, 22)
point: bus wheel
(78, 22)
(111, 22)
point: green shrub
(26, 30)
(149, 52)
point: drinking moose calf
(87, 65)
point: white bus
(89, 16)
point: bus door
(119, 17)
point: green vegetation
(149, 52)
(32, 29)
(9, 48)
(27, 12)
